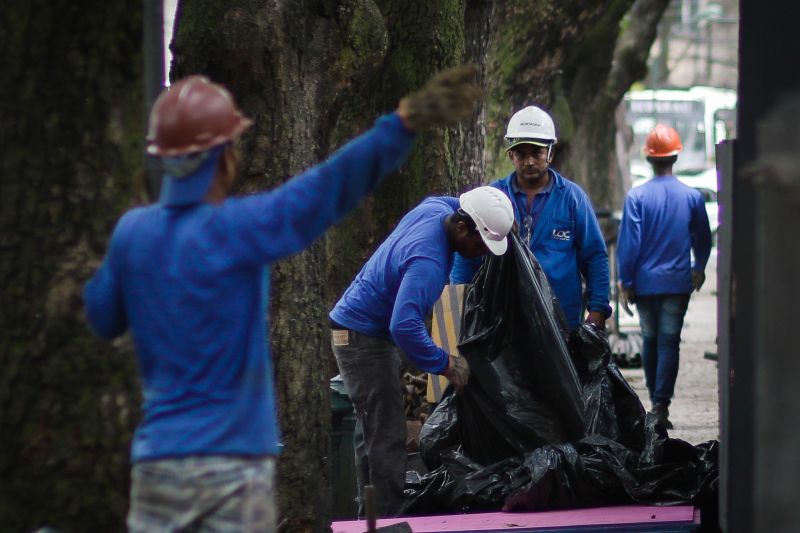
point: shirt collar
(550, 182)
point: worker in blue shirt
(383, 313)
(662, 222)
(555, 218)
(188, 277)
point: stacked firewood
(415, 389)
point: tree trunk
(572, 60)
(531, 42)
(312, 75)
(597, 75)
(72, 108)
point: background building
(697, 44)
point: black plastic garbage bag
(598, 471)
(514, 338)
(595, 471)
(520, 450)
(473, 422)
(612, 407)
(441, 431)
(461, 485)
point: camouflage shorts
(203, 494)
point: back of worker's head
(531, 125)
(661, 147)
(493, 215)
(190, 125)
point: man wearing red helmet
(189, 277)
(662, 223)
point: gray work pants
(370, 369)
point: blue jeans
(661, 320)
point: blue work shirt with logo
(191, 284)
(663, 220)
(566, 240)
(397, 287)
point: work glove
(698, 278)
(626, 298)
(445, 100)
(597, 319)
(457, 372)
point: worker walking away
(188, 276)
(663, 221)
(383, 313)
(556, 220)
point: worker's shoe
(661, 412)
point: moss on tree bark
(312, 73)
(72, 108)
(577, 61)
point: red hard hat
(193, 115)
(663, 141)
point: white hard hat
(531, 125)
(493, 215)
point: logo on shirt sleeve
(562, 234)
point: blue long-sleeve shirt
(398, 286)
(191, 283)
(565, 239)
(662, 221)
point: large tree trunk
(597, 75)
(531, 42)
(573, 60)
(72, 108)
(312, 75)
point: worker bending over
(383, 313)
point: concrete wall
(698, 43)
(760, 443)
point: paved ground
(695, 408)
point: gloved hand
(698, 278)
(445, 100)
(626, 298)
(597, 319)
(457, 372)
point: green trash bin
(344, 489)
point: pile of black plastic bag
(547, 420)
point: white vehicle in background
(706, 183)
(702, 116)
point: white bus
(702, 116)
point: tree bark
(573, 60)
(72, 106)
(596, 77)
(531, 42)
(312, 75)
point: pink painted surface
(617, 515)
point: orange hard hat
(194, 114)
(663, 141)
